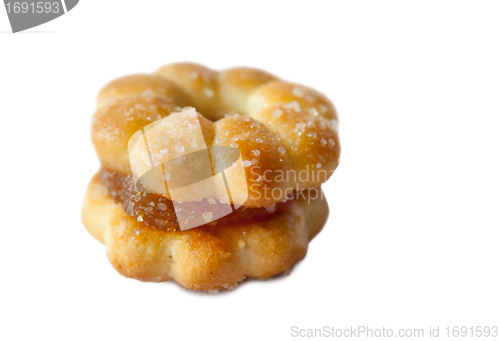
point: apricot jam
(158, 211)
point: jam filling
(157, 211)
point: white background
(413, 235)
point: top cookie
(286, 132)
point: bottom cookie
(204, 258)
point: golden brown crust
(291, 127)
(138, 84)
(199, 83)
(202, 258)
(114, 124)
